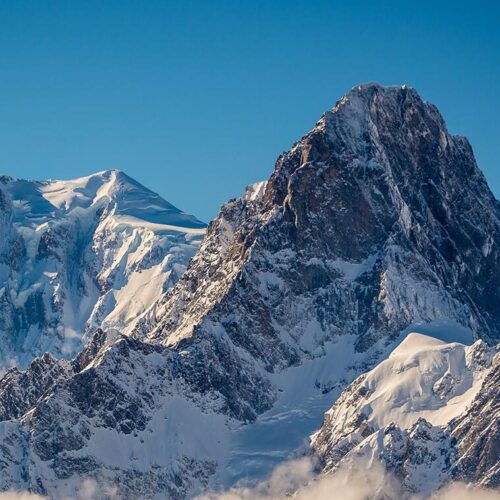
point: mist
(296, 479)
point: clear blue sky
(195, 99)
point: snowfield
(85, 253)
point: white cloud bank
(460, 491)
(296, 480)
(89, 490)
(19, 495)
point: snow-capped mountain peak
(407, 410)
(113, 189)
(82, 253)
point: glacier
(81, 254)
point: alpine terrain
(79, 254)
(362, 279)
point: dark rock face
(376, 219)
(22, 390)
(477, 435)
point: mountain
(429, 412)
(80, 254)
(376, 224)
(375, 220)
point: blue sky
(195, 99)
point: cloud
(89, 490)
(92, 490)
(72, 339)
(296, 479)
(20, 495)
(461, 491)
(286, 479)
(107, 491)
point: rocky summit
(363, 276)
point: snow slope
(83, 253)
(403, 411)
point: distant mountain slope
(83, 253)
(375, 224)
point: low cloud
(91, 490)
(286, 479)
(20, 495)
(460, 491)
(296, 479)
(88, 490)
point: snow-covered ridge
(422, 378)
(52, 198)
(83, 253)
(255, 192)
(411, 399)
